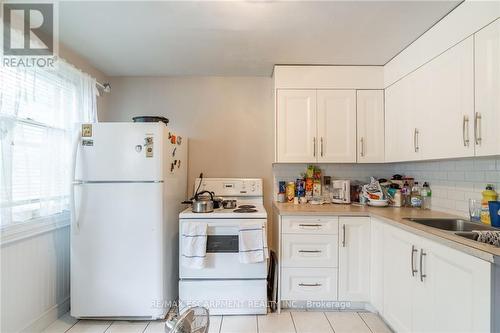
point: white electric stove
(225, 286)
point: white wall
(35, 281)
(228, 120)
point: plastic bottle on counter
(426, 196)
(416, 196)
(489, 194)
(405, 193)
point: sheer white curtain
(38, 112)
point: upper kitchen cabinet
(487, 90)
(336, 124)
(316, 112)
(296, 126)
(316, 126)
(402, 123)
(370, 126)
(429, 113)
(446, 91)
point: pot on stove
(229, 204)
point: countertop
(395, 216)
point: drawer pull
(310, 284)
(310, 225)
(309, 251)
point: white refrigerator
(129, 182)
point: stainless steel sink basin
(451, 224)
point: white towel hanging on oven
(252, 241)
(194, 244)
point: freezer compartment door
(118, 251)
(225, 297)
(120, 152)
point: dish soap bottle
(416, 196)
(488, 195)
(426, 196)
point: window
(39, 109)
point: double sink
(459, 227)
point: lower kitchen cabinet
(309, 258)
(399, 278)
(416, 284)
(354, 259)
(429, 287)
(457, 282)
(309, 251)
(318, 284)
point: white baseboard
(47, 318)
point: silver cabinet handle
(465, 131)
(314, 147)
(343, 235)
(412, 255)
(362, 143)
(310, 284)
(310, 225)
(321, 146)
(478, 122)
(422, 255)
(309, 251)
(415, 140)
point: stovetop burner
(245, 210)
(246, 206)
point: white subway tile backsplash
(484, 164)
(456, 175)
(474, 176)
(493, 176)
(453, 182)
(447, 165)
(464, 165)
(456, 194)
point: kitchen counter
(395, 216)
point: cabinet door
(370, 125)
(401, 122)
(336, 126)
(460, 284)
(445, 88)
(354, 259)
(487, 89)
(296, 126)
(398, 278)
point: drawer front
(309, 250)
(318, 284)
(310, 225)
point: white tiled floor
(286, 322)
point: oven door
(222, 260)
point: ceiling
(229, 38)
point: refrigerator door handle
(72, 204)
